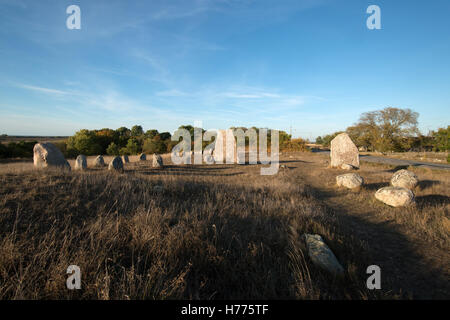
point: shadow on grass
(425, 184)
(406, 273)
(376, 186)
(432, 200)
(397, 168)
(186, 170)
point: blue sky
(309, 64)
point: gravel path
(401, 162)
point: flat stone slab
(395, 196)
(404, 179)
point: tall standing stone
(225, 147)
(116, 164)
(157, 161)
(81, 162)
(343, 151)
(48, 155)
(99, 161)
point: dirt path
(411, 267)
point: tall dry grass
(214, 232)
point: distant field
(218, 232)
(7, 139)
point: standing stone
(99, 161)
(321, 255)
(142, 157)
(208, 156)
(48, 155)
(186, 156)
(225, 149)
(349, 180)
(125, 159)
(395, 196)
(157, 161)
(404, 179)
(116, 164)
(343, 151)
(81, 162)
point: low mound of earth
(218, 232)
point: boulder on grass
(48, 155)
(346, 166)
(116, 164)
(343, 151)
(99, 161)
(404, 179)
(395, 196)
(321, 255)
(349, 180)
(125, 159)
(157, 161)
(81, 162)
(142, 157)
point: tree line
(124, 141)
(392, 130)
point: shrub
(133, 146)
(85, 142)
(154, 145)
(4, 151)
(113, 149)
(294, 145)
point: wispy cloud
(172, 93)
(259, 95)
(42, 89)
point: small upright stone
(116, 164)
(99, 161)
(142, 157)
(321, 255)
(157, 161)
(81, 162)
(349, 180)
(343, 151)
(395, 196)
(404, 179)
(48, 155)
(125, 159)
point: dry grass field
(218, 232)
